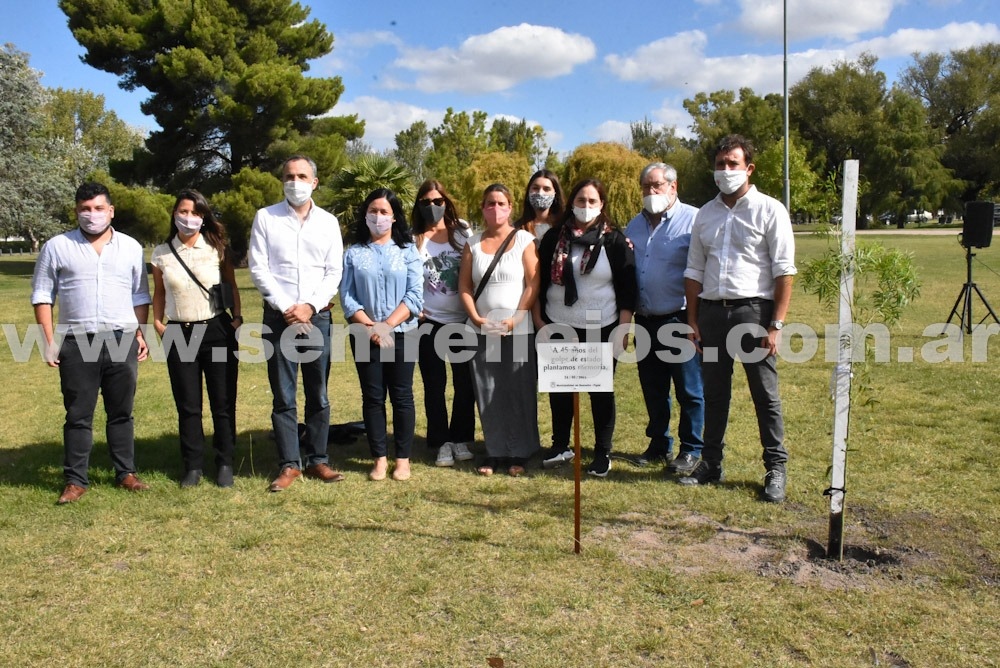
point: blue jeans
(655, 377)
(387, 372)
(282, 372)
(715, 321)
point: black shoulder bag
(220, 295)
(493, 265)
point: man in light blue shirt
(99, 277)
(661, 234)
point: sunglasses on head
(437, 201)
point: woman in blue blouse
(382, 290)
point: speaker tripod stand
(965, 299)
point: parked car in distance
(915, 216)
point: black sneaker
(703, 474)
(600, 466)
(774, 486)
(653, 454)
(684, 464)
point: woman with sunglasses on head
(382, 290)
(588, 282)
(543, 203)
(499, 284)
(194, 258)
(440, 237)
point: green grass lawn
(451, 569)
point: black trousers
(602, 406)
(105, 363)
(434, 372)
(204, 349)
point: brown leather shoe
(71, 493)
(132, 483)
(323, 472)
(285, 478)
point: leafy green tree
(95, 137)
(618, 168)
(455, 144)
(509, 168)
(140, 212)
(961, 92)
(326, 142)
(722, 113)
(252, 189)
(226, 79)
(413, 147)
(35, 188)
(846, 112)
(352, 185)
(518, 137)
(661, 144)
(769, 177)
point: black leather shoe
(774, 486)
(224, 478)
(653, 454)
(703, 474)
(191, 478)
(684, 464)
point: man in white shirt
(739, 280)
(296, 259)
(99, 277)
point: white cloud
(844, 19)
(617, 131)
(679, 62)
(497, 60)
(953, 36)
(385, 118)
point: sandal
(516, 468)
(486, 468)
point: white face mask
(657, 203)
(187, 225)
(585, 215)
(93, 222)
(730, 180)
(298, 192)
(378, 224)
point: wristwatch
(777, 324)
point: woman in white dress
(499, 306)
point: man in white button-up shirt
(296, 259)
(739, 280)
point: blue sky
(582, 70)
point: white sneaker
(444, 457)
(462, 452)
(557, 457)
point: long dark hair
(451, 219)
(528, 212)
(211, 229)
(569, 218)
(400, 230)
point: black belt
(679, 315)
(188, 324)
(732, 303)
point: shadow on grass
(40, 464)
(17, 267)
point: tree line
(229, 92)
